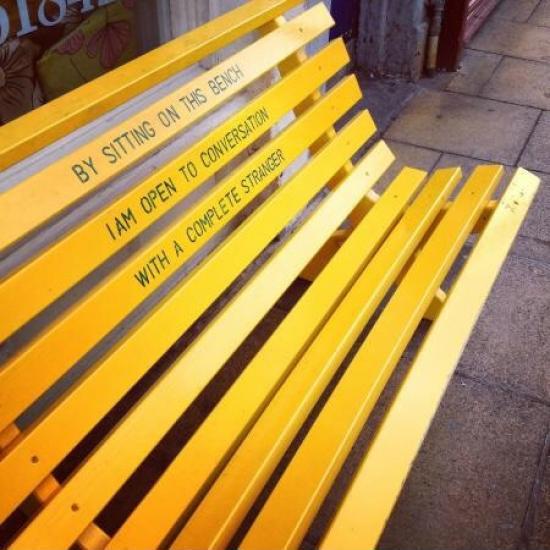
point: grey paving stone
(407, 155)
(468, 164)
(540, 536)
(537, 224)
(537, 152)
(475, 71)
(541, 16)
(525, 247)
(510, 345)
(439, 81)
(504, 84)
(383, 98)
(514, 39)
(470, 483)
(516, 10)
(469, 126)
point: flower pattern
(110, 42)
(72, 44)
(17, 86)
(73, 18)
(55, 61)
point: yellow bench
(398, 249)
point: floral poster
(41, 62)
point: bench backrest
(59, 117)
(162, 280)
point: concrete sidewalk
(482, 479)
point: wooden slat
(324, 255)
(366, 507)
(51, 354)
(61, 116)
(68, 422)
(115, 460)
(54, 271)
(28, 205)
(289, 510)
(220, 513)
(200, 459)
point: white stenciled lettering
(48, 13)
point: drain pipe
(436, 18)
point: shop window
(50, 47)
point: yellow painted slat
(202, 456)
(34, 201)
(53, 272)
(59, 117)
(366, 507)
(324, 255)
(485, 217)
(58, 432)
(288, 512)
(220, 513)
(25, 387)
(28, 374)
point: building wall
(392, 37)
(163, 20)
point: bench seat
(121, 334)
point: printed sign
(155, 125)
(24, 18)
